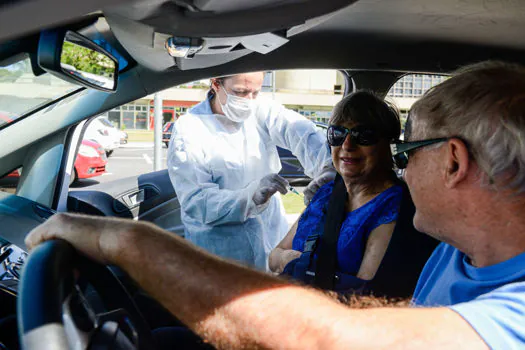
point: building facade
(312, 93)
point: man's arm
(235, 307)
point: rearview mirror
(88, 64)
(75, 58)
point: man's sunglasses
(361, 135)
(400, 149)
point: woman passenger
(361, 129)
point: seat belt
(326, 262)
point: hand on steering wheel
(46, 310)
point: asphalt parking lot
(134, 158)
(130, 159)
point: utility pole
(273, 85)
(157, 134)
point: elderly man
(473, 286)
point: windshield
(21, 91)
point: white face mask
(236, 108)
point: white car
(102, 131)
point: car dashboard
(18, 216)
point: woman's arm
(376, 246)
(282, 254)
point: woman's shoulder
(394, 192)
(386, 208)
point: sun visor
(203, 33)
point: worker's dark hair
(211, 92)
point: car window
(21, 91)
(409, 88)
(9, 182)
(312, 93)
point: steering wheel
(54, 313)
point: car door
(149, 197)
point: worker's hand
(327, 174)
(268, 186)
(96, 237)
(286, 256)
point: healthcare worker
(223, 164)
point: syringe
(293, 190)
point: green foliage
(293, 204)
(87, 60)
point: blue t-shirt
(356, 228)
(491, 299)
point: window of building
(141, 120)
(114, 117)
(409, 88)
(128, 119)
(414, 85)
(268, 81)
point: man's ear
(457, 162)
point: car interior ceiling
(373, 42)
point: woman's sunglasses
(400, 149)
(360, 135)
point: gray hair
(484, 105)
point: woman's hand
(283, 257)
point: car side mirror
(74, 58)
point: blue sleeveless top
(356, 228)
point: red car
(5, 118)
(91, 161)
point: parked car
(166, 133)
(91, 161)
(103, 132)
(292, 170)
(5, 118)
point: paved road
(130, 159)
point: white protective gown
(216, 170)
